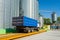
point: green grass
(5, 31)
(2, 31)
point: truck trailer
(27, 20)
(25, 24)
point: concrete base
(5, 31)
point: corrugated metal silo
(41, 21)
(8, 9)
(30, 8)
(54, 17)
(1, 13)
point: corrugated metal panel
(8, 9)
(14, 10)
(26, 7)
(54, 17)
(17, 21)
(29, 22)
(36, 10)
(30, 8)
(24, 21)
(1, 13)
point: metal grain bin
(30, 8)
(54, 17)
(41, 21)
(11, 10)
(8, 9)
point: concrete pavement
(50, 35)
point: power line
(45, 11)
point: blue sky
(46, 7)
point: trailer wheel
(38, 29)
(32, 30)
(28, 31)
(25, 31)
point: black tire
(38, 29)
(32, 30)
(27, 31)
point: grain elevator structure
(12, 8)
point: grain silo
(8, 9)
(54, 17)
(28, 16)
(41, 20)
(30, 8)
